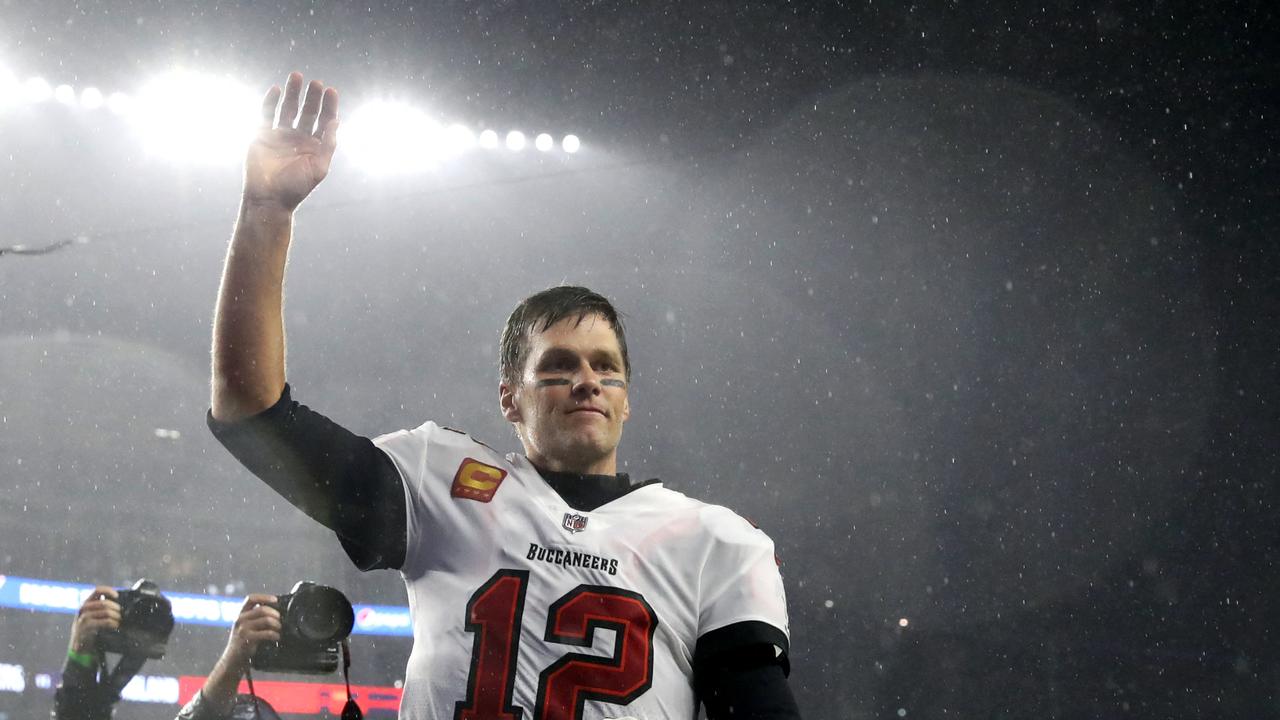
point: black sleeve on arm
(740, 673)
(80, 697)
(338, 478)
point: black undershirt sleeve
(749, 683)
(336, 477)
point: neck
(603, 466)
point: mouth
(587, 410)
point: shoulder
(427, 434)
(433, 446)
(729, 530)
(716, 523)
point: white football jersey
(524, 607)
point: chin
(583, 454)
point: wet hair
(540, 311)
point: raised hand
(99, 612)
(293, 148)
(258, 622)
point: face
(571, 401)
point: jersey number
(494, 616)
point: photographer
(217, 700)
(83, 693)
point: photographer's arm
(79, 695)
(257, 623)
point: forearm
(79, 697)
(248, 329)
(219, 689)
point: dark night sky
(971, 306)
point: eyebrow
(558, 354)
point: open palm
(294, 146)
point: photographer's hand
(99, 612)
(258, 622)
(79, 696)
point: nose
(586, 381)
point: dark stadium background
(971, 306)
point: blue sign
(61, 597)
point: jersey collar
(585, 493)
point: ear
(626, 408)
(507, 400)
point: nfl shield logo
(573, 522)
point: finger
(310, 106)
(102, 612)
(257, 636)
(269, 103)
(328, 112)
(100, 592)
(97, 624)
(100, 606)
(257, 614)
(253, 600)
(264, 622)
(328, 135)
(289, 105)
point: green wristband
(85, 660)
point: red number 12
(494, 615)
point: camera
(314, 619)
(146, 620)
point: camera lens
(148, 613)
(321, 614)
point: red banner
(301, 698)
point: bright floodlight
(194, 117)
(119, 103)
(389, 137)
(515, 140)
(37, 90)
(571, 143)
(91, 98)
(65, 94)
(488, 139)
(460, 138)
(10, 90)
(544, 142)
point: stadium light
(37, 89)
(10, 90)
(390, 137)
(205, 118)
(195, 117)
(91, 98)
(65, 94)
(460, 138)
(119, 103)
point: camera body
(146, 620)
(314, 620)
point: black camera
(314, 619)
(146, 620)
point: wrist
(86, 659)
(264, 208)
(233, 662)
(83, 655)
